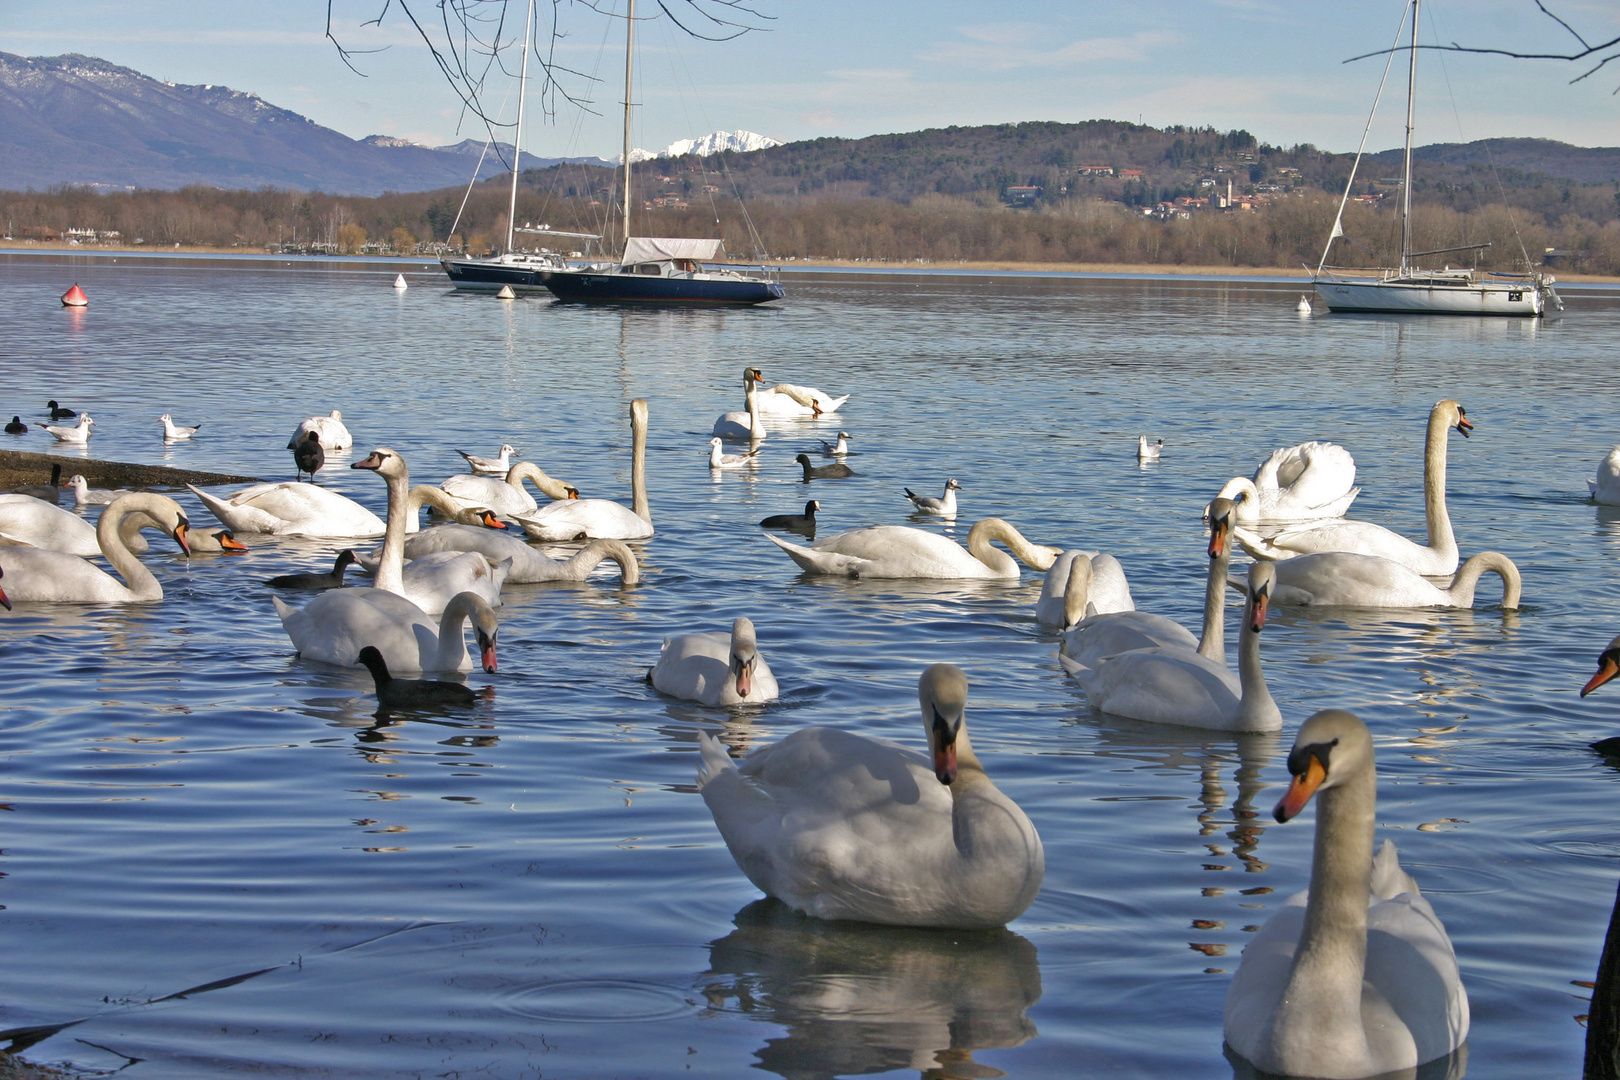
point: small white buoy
(506, 293)
(1304, 305)
(400, 282)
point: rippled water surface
(535, 889)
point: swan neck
(1212, 643)
(1077, 590)
(1256, 701)
(426, 495)
(452, 637)
(391, 567)
(1441, 537)
(756, 426)
(1248, 507)
(1031, 555)
(1464, 585)
(638, 461)
(137, 578)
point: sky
(853, 68)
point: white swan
(85, 495)
(292, 509)
(840, 826)
(745, 425)
(334, 436)
(37, 523)
(496, 465)
(54, 577)
(171, 430)
(790, 399)
(527, 563)
(1345, 579)
(1307, 482)
(897, 551)
(335, 626)
(1091, 639)
(1438, 557)
(720, 460)
(1106, 588)
(1169, 685)
(1605, 489)
(601, 519)
(716, 668)
(1355, 977)
(506, 496)
(944, 506)
(78, 433)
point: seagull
(1148, 451)
(837, 449)
(83, 495)
(495, 465)
(78, 433)
(309, 456)
(717, 460)
(171, 430)
(943, 507)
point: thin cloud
(1006, 48)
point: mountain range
(81, 120)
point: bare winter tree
(470, 40)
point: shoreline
(1297, 275)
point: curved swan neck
(596, 552)
(1248, 506)
(137, 578)
(1466, 582)
(638, 460)
(426, 495)
(1256, 698)
(1077, 590)
(391, 566)
(549, 486)
(1034, 556)
(1441, 420)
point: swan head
(1332, 746)
(942, 693)
(1262, 579)
(1608, 667)
(1452, 414)
(1222, 511)
(751, 376)
(488, 520)
(228, 542)
(744, 655)
(485, 629)
(382, 460)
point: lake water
(535, 889)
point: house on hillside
(1022, 195)
(1131, 174)
(1096, 170)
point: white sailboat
(1408, 289)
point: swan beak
(573, 492)
(1218, 537)
(944, 749)
(486, 651)
(1262, 600)
(745, 674)
(1608, 668)
(491, 521)
(180, 537)
(374, 461)
(227, 542)
(1304, 785)
(1463, 426)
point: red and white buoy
(75, 297)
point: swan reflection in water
(856, 998)
(1454, 1066)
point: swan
(1603, 1023)
(84, 495)
(1169, 685)
(55, 577)
(171, 430)
(37, 523)
(602, 519)
(1345, 579)
(836, 449)
(497, 465)
(718, 460)
(197, 540)
(744, 425)
(395, 693)
(715, 668)
(836, 471)
(944, 506)
(1605, 489)
(789, 399)
(799, 523)
(841, 826)
(527, 563)
(1107, 589)
(337, 624)
(1146, 451)
(1307, 482)
(291, 509)
(897, 551)
(506, 496)
(1090, 639)
(1437, 558)
(1356, 976)
(334, 436)
(78, 433)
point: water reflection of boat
(858, 999)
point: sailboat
(522, 271)
(1407, 289)
(660, 270)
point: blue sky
(861, 67)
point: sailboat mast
(629, 56)
(517, 141)
(1406, 176)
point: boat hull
(586, 287)
(1526, 300)
(486, 275)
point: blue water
(535, 889)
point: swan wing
(1165, 686)
(54, 577)
(432, 580)
(1348, 579)
(821, 562)
(337, 624)
(1413, 969)
(894, 551)
(595, 519)
(733, 425)
(1098, 636)
(35, 522)
(1359, 537)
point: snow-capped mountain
(713, 143)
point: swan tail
(821, 562)
(1388, 879)
(714, 760)
(1259, 546)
